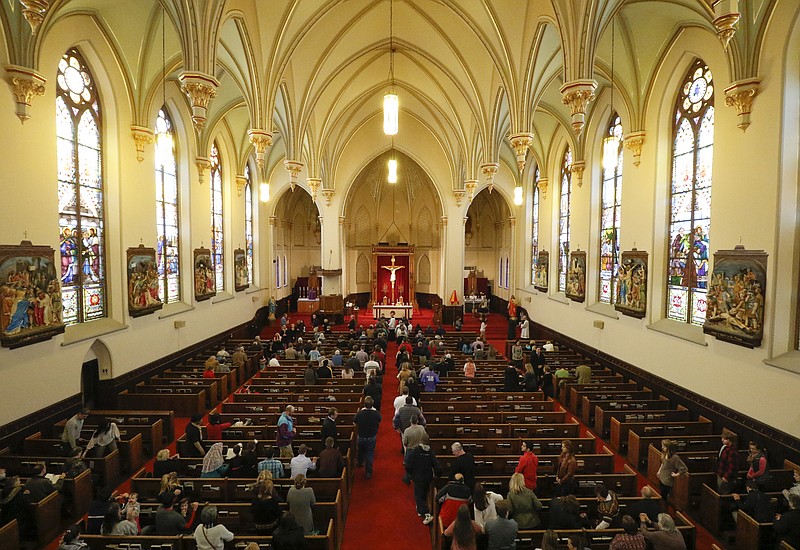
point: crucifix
(393, 269)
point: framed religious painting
(735, 298)
(30, 295)
(143, 293)
(575, 289)
(240, 270)
(204, 287)
(542, 270)
(630, 289)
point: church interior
(625, 171)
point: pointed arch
(610, 210)
(217, 231)
(362, 269)
(424, 270)
(81, 197)
(363, 227)
(564, 207)
(690, 196)
(425, 228)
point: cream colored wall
(30, 210)
(749, 177)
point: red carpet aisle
(382, 513)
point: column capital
(577, 169)
(577, 95)
(293, 167)
(25, 85)
(633, 142)
(542, 186)
(241, 182)
(260, 139)
(141, 136)
(726, 17)
(202, 164)
(314, 184)
(200, 88)
(34, 12)
(520, 143)
(490, 169)
(740, 95)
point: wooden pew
(605, 410)
(575, 392)
(588, 400)
(565, 430)
(504, 446)
(638, 445)
(183, 404)
(157, 385)
(142, 417)
(152, 434)
(107, 467)
(277, 407)
(130, 450)
(465, 406)
(619, 430)
(506, 464)
(681, 414)
(9, 536)
(185, 542)
(47, 517)
(752, 534)
(451, 417)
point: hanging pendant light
(392, 177)
(391, 103)
(263, 192)
(518, 195)
(611, 142)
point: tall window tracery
(611, 208)
(535, 226)
(690, 197)
(217, 235)
(81, 213)
(563, 219)
(248, 223)
(167, 224)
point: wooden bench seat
(107, 468)
(620, 430)
(129, 446)
(182, 404)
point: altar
(393, 278)
(385, 310)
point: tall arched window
(535, 226)
(80, 192)
(167, 227)
(248, 223)
(611, 207)
(563, 219)
(217, 236)
(690, 197)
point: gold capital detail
(470, 186)
(293, 167)
(200, 89)
(241, 181)
(328, 194)
(141, 136)
(34, 12)
(577, 95)
(577, 169)
(542, 185)
(740, 95)
(459, 196)
(314, 184)
(520, 143)
(25, 84)
(726, 27)
(260, 140)
(489, 170)
(202, 164)
(634, 142)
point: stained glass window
(277, 271)
(285, 271)
(563, 219)
(610, 209)
(80, 192)
(508, 273)
(167, 248)
(217, 237)
(690, 197)
(248, 223)
(500, 272)
(535, 227)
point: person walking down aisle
(367, 421)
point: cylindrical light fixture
(392, 178)
(610, 152)
(163, 147)
(263, 192)
(391, 113)
(518, 195)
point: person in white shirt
(525, 328)
(371, 365)
(208, 536)
(549, 346)
(104, 439)
(400, 400)
(301, 464)
(273, 361)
